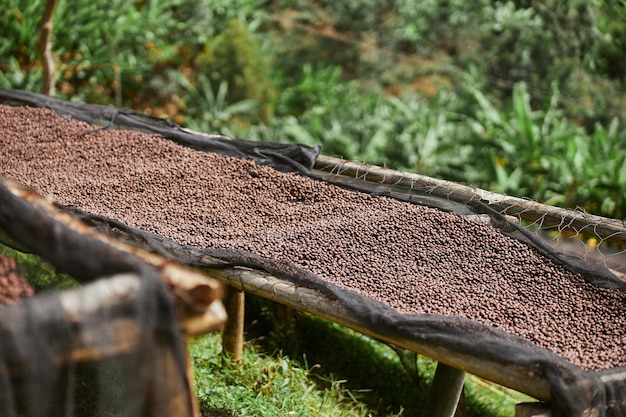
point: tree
(45, 48)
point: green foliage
(357, 15)
(233, 57)
(262, 385)
(202, 20)
(323, 109)
(19, 20)
(537, 42)
(519, 150)
(324, 86)
(543, 156)
(429, 25)
(212, 110)
(12, 76)
(115, 50)
(611, 46)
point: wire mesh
(596, 240)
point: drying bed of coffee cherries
(415, 259)
(13, 285)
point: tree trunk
(45, 48)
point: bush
(540, 154)
(537, 43)
(234, 57)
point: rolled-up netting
(434, 267)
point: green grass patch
(330, 370)
(263, 385)
(385, 378)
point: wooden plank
(445, 392)
(533, 410)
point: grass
(263, 385)
(332, 371)
(329, 370)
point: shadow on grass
(388, 381)
(218, 412)
(370, 371)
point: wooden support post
(533, 410)
(192, 383)
(445, 392)
(232, 336)
(286, 327)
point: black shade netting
(109, 348)
(281, 156)
(112, 347)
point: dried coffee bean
(415, 259)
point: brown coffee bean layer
(13, 285)
(414, 259)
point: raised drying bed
(419, 269)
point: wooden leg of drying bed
(232, 336)
(286, 327)
(533, 410)
(192, 384)
(445, 392)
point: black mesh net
(542, 361)
(110, 347)
(56, 364)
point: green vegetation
(522, 97)
(335, 372)
(39, 273)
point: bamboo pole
(528, 210)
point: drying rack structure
(459, 345)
